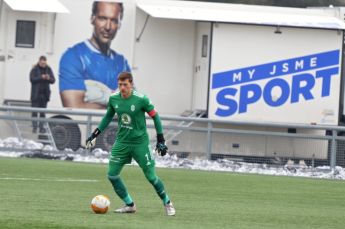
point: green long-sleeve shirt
(131, 117)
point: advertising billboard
(264, 73)
(88, 70)
(85, 49)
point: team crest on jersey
(126, 119)
(132, 108)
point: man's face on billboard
(106, 21)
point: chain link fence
(65, 130)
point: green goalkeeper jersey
(131, 117)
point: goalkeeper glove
(91, 141)
(161, 148)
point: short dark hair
(124, 76)
(43, 58)
(95, 8)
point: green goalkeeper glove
(91, 141)
(161, 148)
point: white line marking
(53, 179)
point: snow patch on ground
(29, 148)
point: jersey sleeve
(71, 72)
(150, 109)
(107, 117)
(147, 105)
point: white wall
(20, 60)
(163, 62)
(3, 16)
(15, 82)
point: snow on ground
(29, 148)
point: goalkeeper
(132, 141)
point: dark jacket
(40, 88)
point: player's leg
(143, 155)
(120, 155)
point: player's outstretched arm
(91, 141)
(161, 148)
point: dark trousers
(40, 104)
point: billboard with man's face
(89, 68)
(85, 49)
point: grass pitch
(56, 194)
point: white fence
(269, 143)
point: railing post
(333, 149)
(88, 125)
(209, 140)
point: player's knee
(113, 178)
(153, 179)
(113, 173)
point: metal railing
(259, 142)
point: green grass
(202, 199)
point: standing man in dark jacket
(41, 76)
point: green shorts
(122, 154)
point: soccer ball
(100, 204)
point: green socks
(120, 189)
(159, 187)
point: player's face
(107, 21)
(125, 87)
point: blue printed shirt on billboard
(84, 62)
(304, 71)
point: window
(25, 34)
(204, 46)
